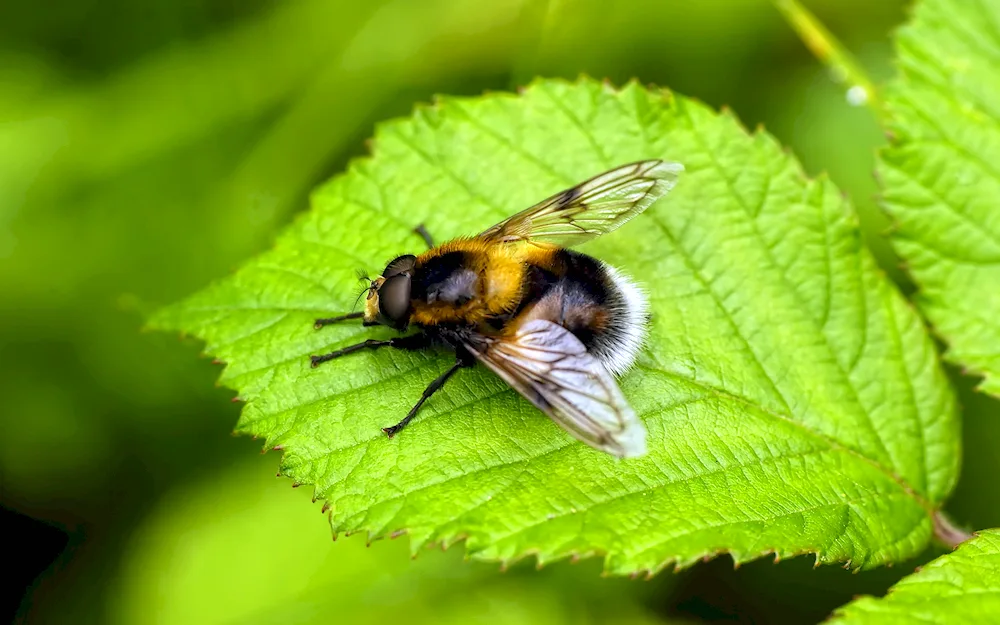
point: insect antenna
(362, 277)
(366, 289)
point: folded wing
(552, 369)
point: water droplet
(857, 96)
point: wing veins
(574, 389)
(592, 208)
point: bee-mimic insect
(554, 324)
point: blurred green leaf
(183, 93)
(221, 114)
(940, 175)
(244, 548)
(960, 587)
(793, 400)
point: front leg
(412, 342)
(319, 323)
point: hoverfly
(554, 324)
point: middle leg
(432, 388)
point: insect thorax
(466, 281)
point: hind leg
(426, 236)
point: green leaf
(960, 587)
(941, 174)
(793, 400)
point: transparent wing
(591, 208)
(553, 370)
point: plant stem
(822, 43)
(947, 532)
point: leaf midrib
(832, 444)
(736, 329)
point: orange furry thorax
(501, 271)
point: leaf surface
(941, 174)
(793, 400)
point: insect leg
(426, 236)
(432, 388)
(325, 322)
(414, 341)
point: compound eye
(394, 300)
(403, 264)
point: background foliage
(940, 182)
(146, 149)
(960, 587)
